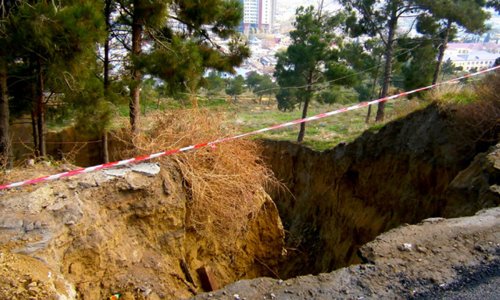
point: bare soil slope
(123, 231)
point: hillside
(186, 224)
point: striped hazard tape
(226, 139)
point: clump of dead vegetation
(225, 182)
(476, 107)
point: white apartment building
(258, 15)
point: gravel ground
(481, 283)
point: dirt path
(413, 261)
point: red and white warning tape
(222, 140)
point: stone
(433, 220)
(11, 223)
(421, 249)
(86, 184)
(29, 226)
(117, 172)
(136, 181)
(407, 247)
(56, 206)
(166, 187)
(148, 169)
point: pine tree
(310, 60)
(417, 58)
(182, 45)
(266, 86)
(379, 17)
(365, 58)
(214, 83)
(495, 4)
(54, 42)
(7, 8)
(468, 14)
(235, 87)
(260, 85)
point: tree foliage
(214, 83)
(261, 85)
(183, 44)
(53, 45)
(49, 52)
(440, 18)
(235, 87)
(379, 18)
(310, 61)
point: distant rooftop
(489, 47)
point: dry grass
(224, 183)
(404, 107)
(476, 107)
(452, 94)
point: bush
(224, 183)
(476, 109)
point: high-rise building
(258, 15)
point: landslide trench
(431, 164)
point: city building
(258, 15)
(471, 56)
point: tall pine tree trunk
(107, 16)
(135, 86)
(34, 132)
(372, 95)
(40, 113)
(5, 149)
(302, 131)
(34, 129)
(388, 65)
(442, 49)
(104, 146)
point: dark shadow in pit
(429, 165)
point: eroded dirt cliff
(425, 165)
(124, 231)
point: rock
(137, 181)
(87, 184)
(166, 187)
(405, 247)
(148, 169)
(11, 223)
(433, 220)
(480, 248)
(117, 172)
(29, 226)
(421, 249)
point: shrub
(224, 183)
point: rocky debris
(476, 186)
(123, 231)
(393, 274)
(23, 277)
